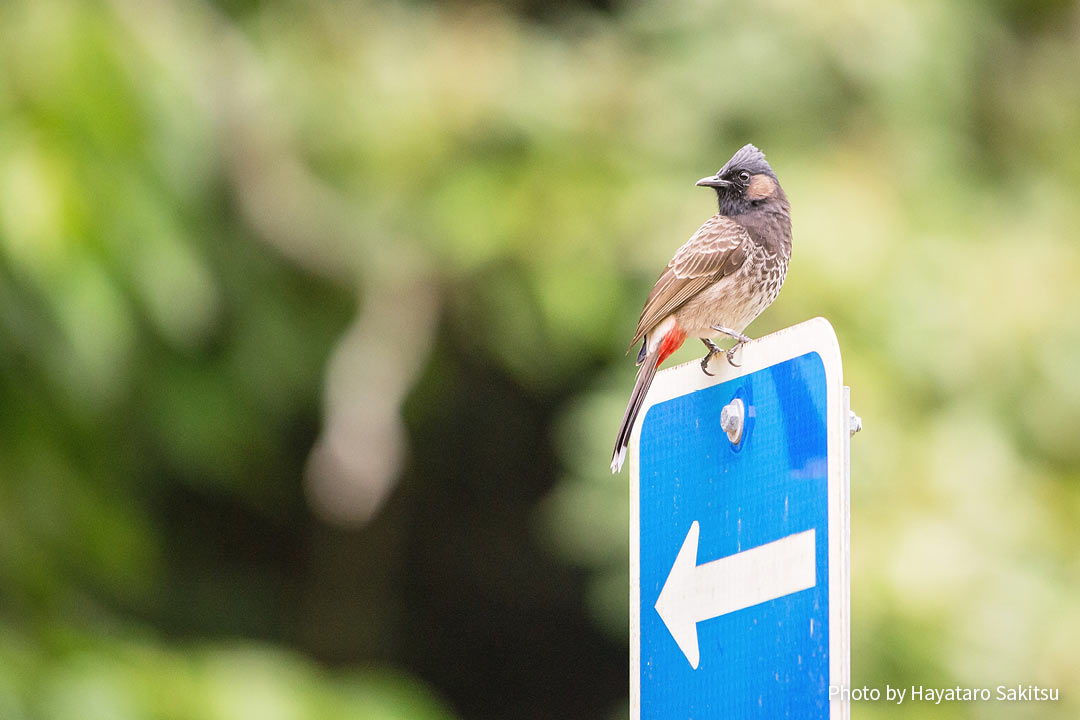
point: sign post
(739, 535)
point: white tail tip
(618, 460)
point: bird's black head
(745, 182)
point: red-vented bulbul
(725, 275)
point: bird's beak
(713, 181)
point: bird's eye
(744, 176)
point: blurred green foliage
(218, 222)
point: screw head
(731, 420)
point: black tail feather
(645, 376)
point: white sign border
(816, 335)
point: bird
(719, 281)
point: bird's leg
(731, 333)
(714, 349)
(740, 340)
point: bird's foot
(714, 349)
(740, 340)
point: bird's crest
(747, 158)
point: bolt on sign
(739, 549)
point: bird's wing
(717, 249)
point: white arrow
(694, 593)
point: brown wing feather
(717, 249)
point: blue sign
(733, 549)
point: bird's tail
(646, 373)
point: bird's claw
(730, 355)
(713, 349)
(705, 364)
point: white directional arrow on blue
(694, 593)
